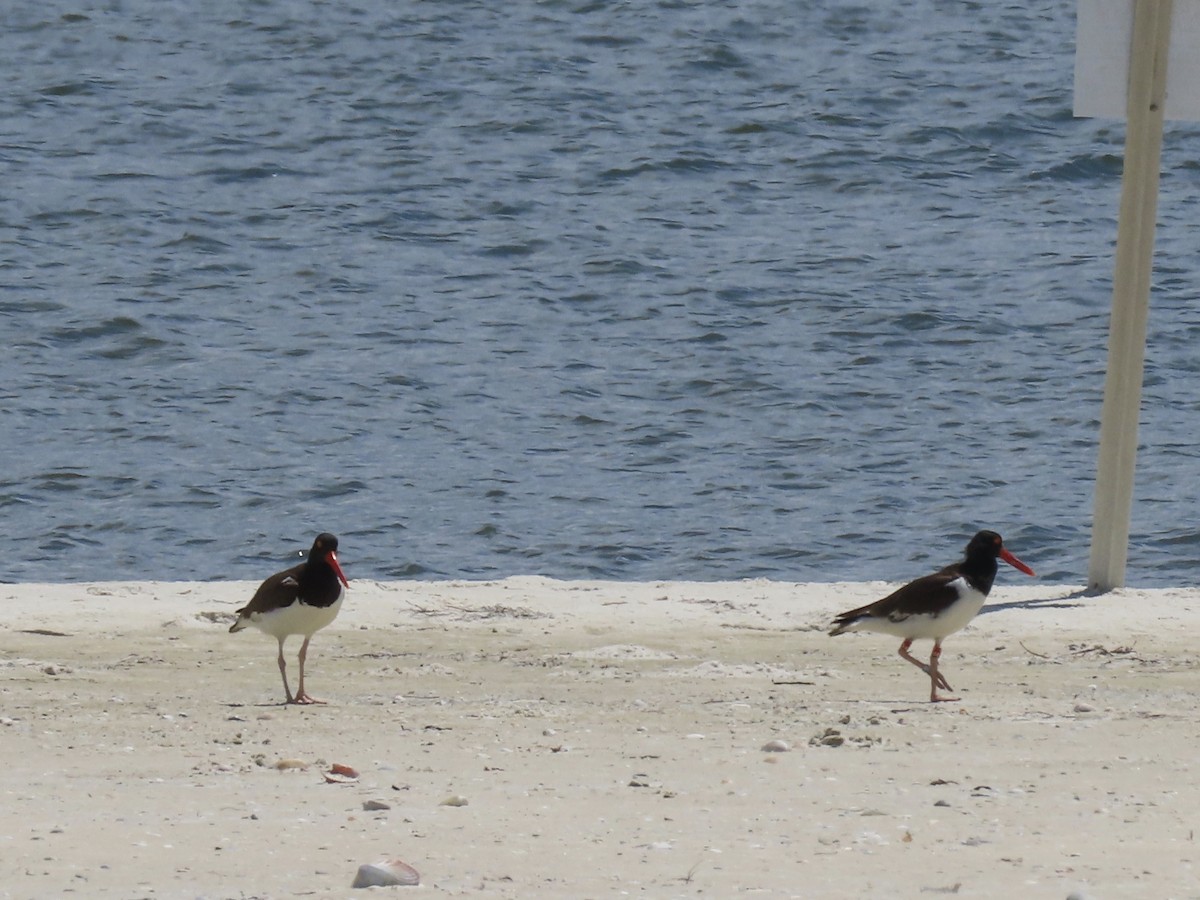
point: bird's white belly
(297, 618)
(960, 614)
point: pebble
(373, 805)
(455, 800)
(776, 746)
(392, 873)
(831, 738)
(1084, 708)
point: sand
(530, 738)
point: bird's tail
(845, 622)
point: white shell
(386, 874)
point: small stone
(374, 805)
(831, 738)
(455, 800)
(1084, 708)
(393, 873)
(776, 746)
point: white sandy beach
(599, 740)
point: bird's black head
(985, 543)
(324, 543)
(324, 556)
(988, 546)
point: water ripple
(634, 291)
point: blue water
(645, 290)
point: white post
(1131, 294)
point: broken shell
(455, 800)
(386, 874)
(339, 774)
(285, 764)
(374, 805)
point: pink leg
(283, 671)
(935, 676)
(301, 696)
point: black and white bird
(300, 600)
(936, 606)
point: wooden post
(1131, 294)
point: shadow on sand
(1067, 601)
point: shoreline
(606, 739)
(98, 604)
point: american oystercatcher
(300, 600)
(935, 606)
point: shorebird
(300, 600)
(935, 606)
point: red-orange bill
(1014, 562)
(331, 558)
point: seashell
(285, 764)
(392, 873)
(776, 746)
(339, 774)
(374, 805)
(455, 800)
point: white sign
(1103, 34)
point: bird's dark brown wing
(928, 595)
(278, 591)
